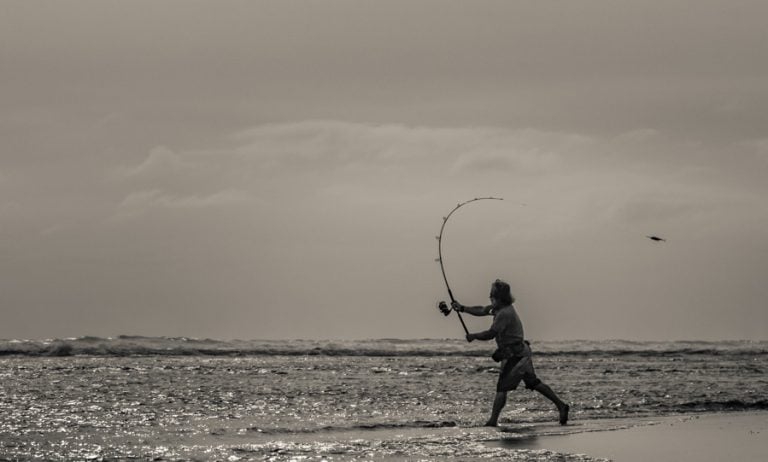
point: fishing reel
(444, 308)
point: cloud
(334, 144)
(331, 145)
(306, 161)
(334, 151)
(343, 206)
(157, 198)
(485, 162)
(306, 181)
(142, 200)
(645, 209)
(159, 161)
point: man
(513, 351)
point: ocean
(156, 398)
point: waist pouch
(508, 351)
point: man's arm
(478, 310)
(489, 334)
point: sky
(280, 169)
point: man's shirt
(507, 326)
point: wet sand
(741, 436)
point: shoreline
(714, 437)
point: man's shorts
(514, 370)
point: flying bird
(656, 238)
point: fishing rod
(443, 306)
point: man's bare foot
(564, 414)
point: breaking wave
(133, 345)
(728, 405)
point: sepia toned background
(279, 169)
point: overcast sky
(279, 169)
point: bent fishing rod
(443, 307)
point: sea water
(189, 399)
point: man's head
(501, 295)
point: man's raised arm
(478, 310)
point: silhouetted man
(513, 351)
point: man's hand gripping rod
(442, 305)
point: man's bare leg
(498, 404)
(562, 408)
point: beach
(741, 436)
(736, 436)
(156, 398)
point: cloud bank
(310, 227)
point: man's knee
(532, 382)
